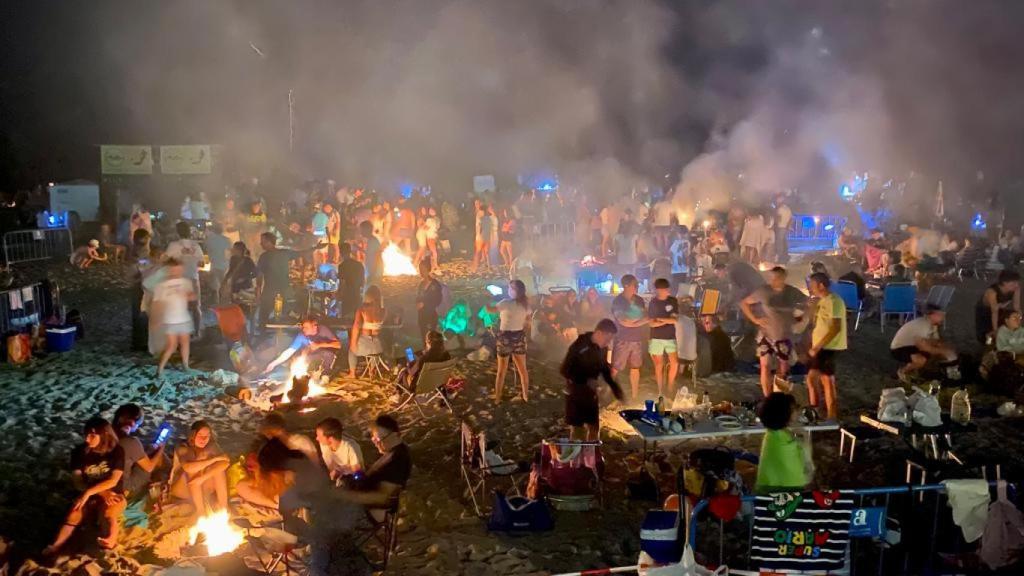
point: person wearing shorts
(585, 362)
(663, 312)
(827, 339)
(513, 313)
(171, 298)
(631, 322)
(778, 305)
(917, 342)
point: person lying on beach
(200, 470)
(97, 468)
(84, 256)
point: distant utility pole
(291, 120)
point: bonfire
(396, 263)
(219, 534)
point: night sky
(433, 89)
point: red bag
(19, 349)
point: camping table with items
(706, 429)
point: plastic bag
(684, 400)
(19, 349)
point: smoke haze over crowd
(788, 94)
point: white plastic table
(707, 429)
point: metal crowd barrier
(22, 307)
(919, 513)
(810, 233)
(558, 229)
(36, 244)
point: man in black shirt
(428, 297)
(387, 477)
(585, 361)
(663, 312)
(351, 275)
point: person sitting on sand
(108, 242)
(314, 341)
(138, 464)
(342, 455)
(97, 468)
(388, 476)
(200, 470)
(1010, 336)
(918, 341)
(785, 462)
(84, 256)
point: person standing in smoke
(783, 218)
(585, 362)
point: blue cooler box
(60, 338)
(659, 536)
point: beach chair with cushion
(898, 299)
(480, 462)
(570, 474)
(431, 383)
(847, 291)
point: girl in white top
(426, 236)
(171, 298)
(513, 320)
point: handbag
(519, 514)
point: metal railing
(810, 233)
(919, 513)
(36, 244)
(22, 307)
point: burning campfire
(219, 535)
(396, 263)
(303, 384)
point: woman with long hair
(513, 321)
(97, 469)
(364, 340)
(138, 464)
(506, 237)
(200, 470)
(238, 287)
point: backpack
(1003, 538)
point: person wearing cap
(84, 256)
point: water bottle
(706, 398)
(960, 407)
(278, 305)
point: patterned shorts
(511, 342)
(780, 349)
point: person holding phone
(513, 323)
(433, 352)
(138, 463)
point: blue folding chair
(848, 292)
(898, 299)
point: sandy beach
(43, 405)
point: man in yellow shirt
(827, 339)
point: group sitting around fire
(284, 471)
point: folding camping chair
(847, 291)
(571, 472)
(476, 469)
(939, 296)
(274, 547)
(382, 533)
(432, 379)
(898, 299)
(710, 302)
(375, 368)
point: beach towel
(801, 531)
(969, 501)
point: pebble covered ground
(43, 405)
